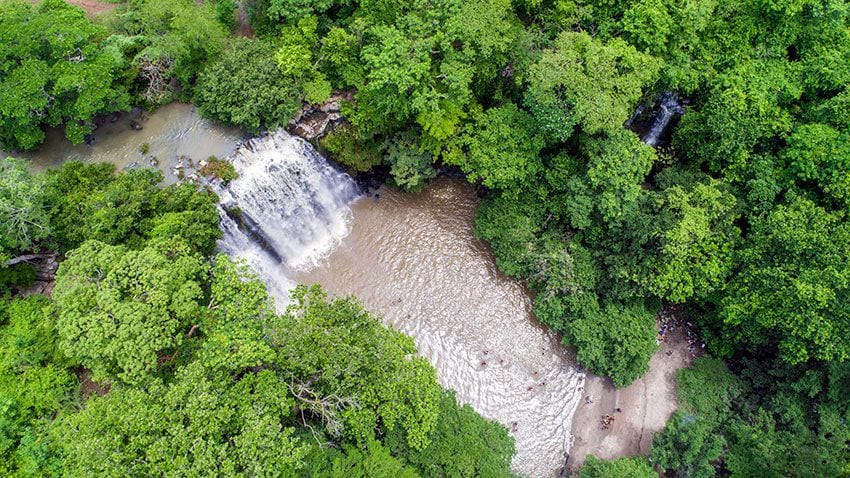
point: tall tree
(54, 70)
(246, 87)
(500, 147)
(791, 289)
(168, 42)
(583, 82)
(24, 217)
(119, 309)
(200, 423)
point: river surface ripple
(414, 259)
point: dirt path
(93, 7)
(645, 407)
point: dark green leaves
(247, 87)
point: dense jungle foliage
(742, 218)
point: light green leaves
(200, 424)
(360, 362)
(23, 213)
(582, 82)
(792, 286)
(119, 309)
(53, 71)
(500, 148)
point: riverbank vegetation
(741, 216)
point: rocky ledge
(313, 121)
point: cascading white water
(287, 209)
(668, 108)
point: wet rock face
(314, 124)
(313, 121)
(654, 123)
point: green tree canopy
(427, 62)
(614, 340)
(708, 389)
(200, 423)
(245, 86)
(584, 82)
(118, 308)
(687, 447)
(742, 113)
(410, 167)
(821, 154)
(167, 42)
(34, 384)
(55, 69)
(695, 238)
(91, 202)
(791, 287)
(631, 467)
(500, 147)
(337, 349)
(616, 167)
(374, 460)
(463, 444)
(24, 218)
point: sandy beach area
(644, 406)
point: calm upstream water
(411, 258)
(174, 130)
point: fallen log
(27, 258)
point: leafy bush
(220, 169)
(615, 340)
(246, 87)
(410, 167)
(687, 446)
(347, 146)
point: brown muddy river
(411, 258)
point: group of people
(667, 323)
(606, 421)
(668, 319)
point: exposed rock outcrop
(313, 121)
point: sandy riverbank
(645, 407)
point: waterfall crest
(286, 211)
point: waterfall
(668, 108)
(286, 211)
